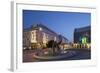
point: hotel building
(38, 35)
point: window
(40, 29)
(55, 38)
(33, 36)
(44, 37)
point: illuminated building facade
(38, 35)
(82, 35)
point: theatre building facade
(38, 35)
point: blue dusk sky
(63, 23)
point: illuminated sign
(84, 40)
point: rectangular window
(33, 36)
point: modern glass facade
(82, 35)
